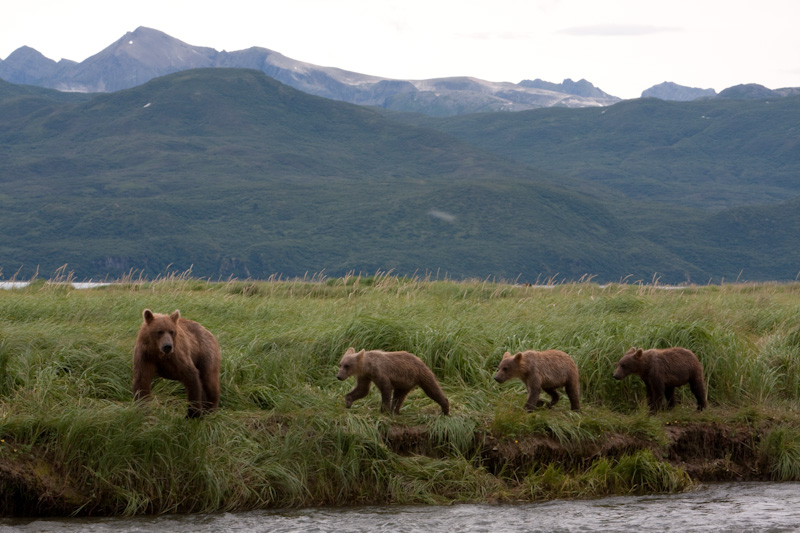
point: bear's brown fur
(662, 371)
(547, 370)
(175, 348)
(397, 372)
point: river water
(713, 507)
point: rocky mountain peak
(27, 66)
(672, 91)
(578, 88)
(748, 91)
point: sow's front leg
(194, 391)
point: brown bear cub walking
(173, 347)
(662, 371)
(547, 370)
(397, 372)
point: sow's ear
(175, 315)
(148, 315)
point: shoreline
(35, 486)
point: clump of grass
(418, 479)
(780, 453)
(563, 426)
(455, 435)
(637, 473)
(6, 379)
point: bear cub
(173, 347)
(394, 373)
(663, 370)
(547, 370)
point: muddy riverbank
(33, 484)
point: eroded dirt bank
(707, 452)
(31, 484)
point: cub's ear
(518, 357)
(507, 354)
(349, 351)
(361, 354)
(175, 315)
(148, 315)
(638, 352)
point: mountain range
(229, 172)
(145, 53)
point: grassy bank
(74, 442)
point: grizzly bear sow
(176, 348)
(547, 370)
(397, 372)
(662, 371)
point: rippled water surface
(715, 507)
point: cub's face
(630, 363)
(349, 364)
(508, 368)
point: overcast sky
(621, 46)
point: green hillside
(229, 173)
(715, 182)
(706, 153)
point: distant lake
(75, 284)
(93, 284)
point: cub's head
(509, 367)
(350, 363)
(161, 330)
(631, 363)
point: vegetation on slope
(73, 441)
(706, 153)
(232, 174)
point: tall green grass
(637, 473)
(283, 437)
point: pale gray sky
(621, 46)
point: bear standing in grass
(547, 370)
(662, 371)
(173, 347)
(397, 372)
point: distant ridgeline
(144, 54)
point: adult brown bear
(397, 372)
(662, 371)
(547, 370)
(173, 347)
